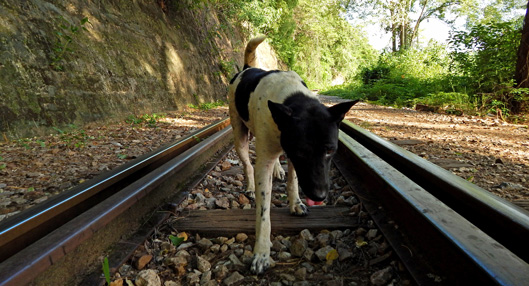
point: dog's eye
(329, 152)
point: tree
(522, 63)
(402, 18)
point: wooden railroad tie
(230, 222)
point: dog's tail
(250, 59)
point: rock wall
(74, 62)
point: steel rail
(502, 220)
(24, 266)
(431, 239)
(19, 231)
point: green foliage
(226, 67)
(450, 102)
(476, 76)
(176, 240)
(64, 37)
(106, 270)
(74, 137)
(151, 120)
(311, 37)
(484, 61)
(208, 105)
(399, 78)
(486, 55)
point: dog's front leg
(263, 176)
(296, 206)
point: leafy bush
(311, 37)
(399, 78)
(484, 61)
(486, 55)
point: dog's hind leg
(294, 202)
(242, 142)
(278, 170)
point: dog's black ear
(339, 110)
(281, 113)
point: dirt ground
(486, 151)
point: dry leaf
(360, 242)
(331, 256)
(182, 235)
(118, 282)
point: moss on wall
(131, 57)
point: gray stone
(241, 237)
(247, 257)
(234, 278)
(287, 277)
(382, 276)
(372, 233)
(210, 203)
(301, 283)
(308, 266)
(336, 234)
(233, 258)
(344, 253)
(205, 278)
(238, 251)
(508, 186)
(215, 248)
(306, 235)
(298, 247)
(204, 243)
(184, 245)
(277, 245)
(222, 202)
(193, 278)
(323, 239)
(322, 252)
(148, 277)
(183, 253)
(125, 270)
(301, 273)
(177, 260)
(308, 254)
(283, 255)
(220, 271)
(202, 264)
(199, 198)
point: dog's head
(309, 136)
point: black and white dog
(283, 115)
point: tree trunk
(522, 63)
(393, 31)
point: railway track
(445, 225)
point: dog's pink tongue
(313, 203)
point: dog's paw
(260, 263)
(279, 173)
(250, 194)
(299, 209)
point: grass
(207, 105)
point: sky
(429, 29)
(432, 28)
